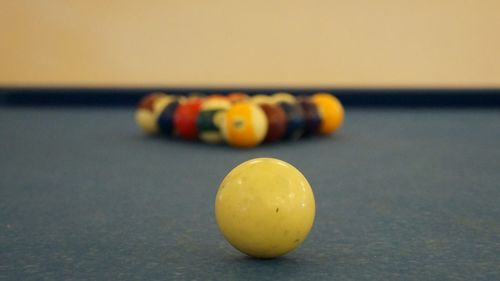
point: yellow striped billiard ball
(244, 125)
(265, 207)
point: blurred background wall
(384, 43)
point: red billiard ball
(185, 117)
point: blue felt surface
(401, 195)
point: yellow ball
(265, 207)
(331, 112)
(244, 125)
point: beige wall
(438, 43)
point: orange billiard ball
(331, 112)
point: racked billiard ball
(235, 97)
(209, 119)
(277, 122)
(165, 119)
(260, 99)
(196, 95)
(244, 125)
(147, 113)
(185, 118)
(330, 110)
(216, 96)
(312, 118)
(294, 115)
(265, 207)
(295, 120)
(283, 97)
(276, 118)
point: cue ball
(265, 207)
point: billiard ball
(265, 207)
(295, 120)
(196, 95)
(209, 119)
(146, 114)
(331, 112)
(165, 120)
(260, 99)
(277, 122)
(216, 96)
(312, 118)
(276, 117)
(283, 97)
(185, 118)
(294, 115)
(237, 97)
(244, 125)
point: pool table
(402, 193)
